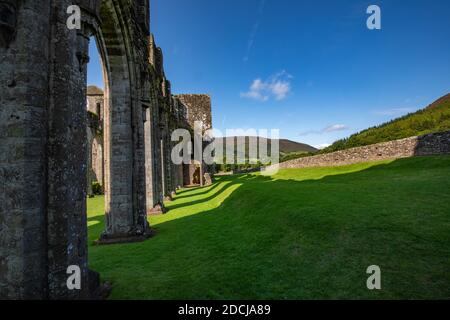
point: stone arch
(44, 145)
(122, 115)
(43, 149)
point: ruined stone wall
(95, 107)
(198, 108)
(179, 121)
(191, 174)
(432, 144)
(160, 128)
(172, 112)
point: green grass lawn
(302, 234)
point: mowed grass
(302, 234)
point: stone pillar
(67, 152)
(154, 200)
(156, 160)
(180, 176)
(168, 163)
(43, 150)
(201, 174)
(97, 159)
(89, 170)
(173, 167)
(24, 100)
(124, 140)
(163, 167)
(165, 156)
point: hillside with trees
(434, 118)
(288, 150)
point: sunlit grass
(302, 234)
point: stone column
(149, 174)
(173, 167)
(43, 150)
(97, 159)
(124, 139)
(157, 175)
(180, 176)
(24, 100)
(90, 164)
(67, 150)
(167, 163)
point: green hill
(288, 150)
(434, 118)
(286, 146)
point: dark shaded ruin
(184, 111)
(48, 138)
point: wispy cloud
(254, 31)
(277, 86)
(393, 111)
(330, 128)
(251, 41)
(336, 127)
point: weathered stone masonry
(46, 138)
(95, 107)
(431, 144)
(198, 108)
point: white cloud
(257, 91)
(393, 111)
(322, 146)
(277, 86)
(280, 89)
(336, 127)
(331, 128)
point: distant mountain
(434, 118)
(286, 146)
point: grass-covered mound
(303, 234)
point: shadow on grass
(193, 191)
(295, 239)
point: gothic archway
(123, 127)
(44, 151)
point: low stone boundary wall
(430, 144)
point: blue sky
(310, 68)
